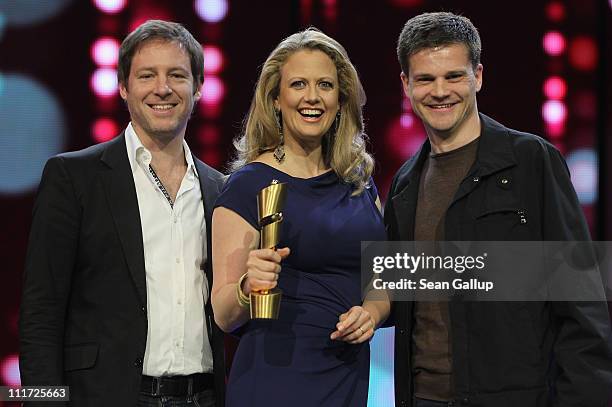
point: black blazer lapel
(210, 185)
(123, 202)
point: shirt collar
(138, 153)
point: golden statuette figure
(265, 304)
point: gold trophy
(265, 304)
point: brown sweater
(432, 353)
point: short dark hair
(429, 30)
(160, 30)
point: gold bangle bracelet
(243, 300)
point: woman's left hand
(355, 326)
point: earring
(279, 151)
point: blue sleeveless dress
(291, 361)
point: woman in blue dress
(304, 128)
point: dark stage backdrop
(545, 63)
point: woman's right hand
(263, 267)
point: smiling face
(160, 90)
(442, 86)
(308, 95)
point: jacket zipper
(522, 217)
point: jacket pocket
(519, 214)
(502, 224)
(80, 356)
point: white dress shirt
(174, 241)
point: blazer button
(138, 362)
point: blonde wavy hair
(344, 146)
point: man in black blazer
(118, 272)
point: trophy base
(266, 306)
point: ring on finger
(360, 331)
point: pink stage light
(583, 54)
(105, 51)
(554, 112)
(213, 60)
(110, 6)
(555, 88)
(104, 129)
(213, 90)
(211, 11)
(407, 120)
(555, 131)
(104, 82)
(10, 371)
(554, 43)
(405, 136)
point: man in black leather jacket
(477, 180)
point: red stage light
(555, 11)
(584, 104)
(583, 54)
(104, 129)
(147, 11)
(555, 88)
(555, 130)
(405, 136)
(211, 157)
(209, 135)
(209, 110)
